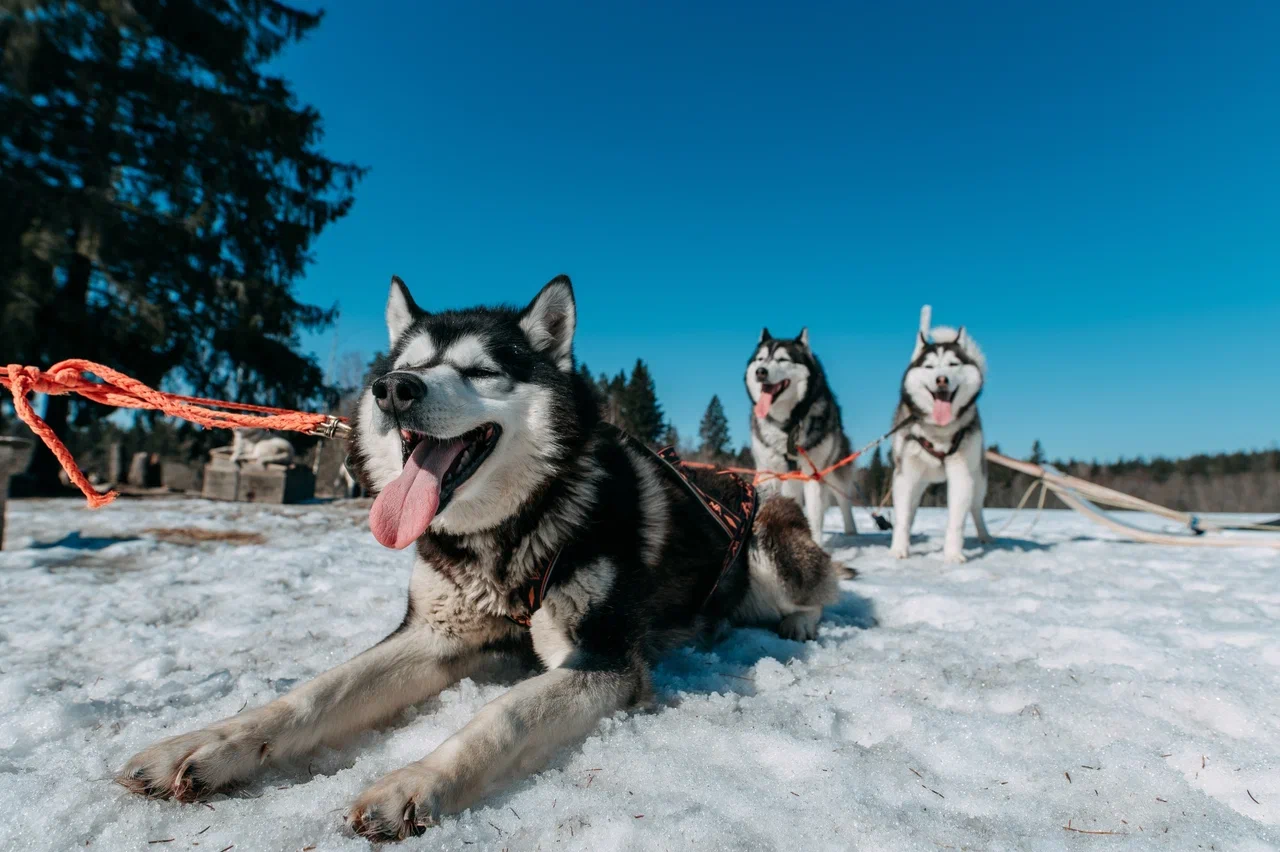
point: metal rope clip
(331, 427)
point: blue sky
(1092, 188)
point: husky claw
(402, 804)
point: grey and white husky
(943, 440)
(261, 446)
(539, 532)
(794, 414)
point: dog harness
(934, 451)
(735, 519)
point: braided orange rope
(118, 390)
(759, 476)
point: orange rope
(121, 391)
(759, 476)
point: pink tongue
(941, 412)
(762, 405)
(404, 509)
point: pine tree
(162, 188)
(876, 477)
(640, 409)
(714, 431)
(614, 393)
(1037, 452)
(671, 437)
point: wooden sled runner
(1083, 496)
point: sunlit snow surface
(942, 707)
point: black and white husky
(539, 532)
(943, 439)
(794, 414)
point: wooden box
(253, 483)
(14, 453)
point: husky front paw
(403, 804)
(800, 626)
(191, 766)
(900, 551)
(953, 556)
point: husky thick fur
(943, 441)
(491, 462)
(793, 409)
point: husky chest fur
(942, 440)
(490, 460)
(796, 425)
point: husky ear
(764, 335)
(550, 319)
(804, 337)
(401, 310)
(960, 337)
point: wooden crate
(252, 483)
(181, 476)
(14, 453)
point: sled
(1084, 496)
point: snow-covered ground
(1062, 679)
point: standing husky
(794, 414)
(943, 441)
(538, 531)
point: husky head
(471, 413)
(944, 377)
(780, 374)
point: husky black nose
(943, 381)
(762, 373)
(398, 391)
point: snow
(942, 707)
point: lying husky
(260, 446)
(538, 530)
(794, 415)
(943, 438)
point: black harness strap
(534, 593)
(933, 450)
(734, 520)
